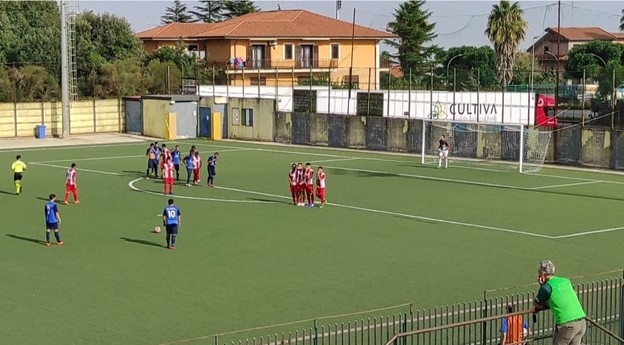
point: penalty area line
(390, 213)
(81, 169)
(137, 189)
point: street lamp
(557, 80)
(599, 58)
(448, 65)
(533, 61)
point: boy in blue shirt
(172, 220)
(212, 168)
(53, 219)
(188, 162)
(175, 159)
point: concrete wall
(90, 116)
(154, 114)
(263, 119)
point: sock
(173, 240)
(57, 236)
(147, 172)
(439, 162)
(294, 197)
(18, 186)
(446, 163)
(47, 237)
(188, 177)
(165, 188)
(311, 199)
(168, 239)
(67, 195)
(177, 175)
(171, 188)
(75, 196)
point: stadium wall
(573, 146)
(90, 116)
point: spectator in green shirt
(558, 295)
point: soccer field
(394, 232)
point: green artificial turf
(395, 232)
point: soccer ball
(157, 229)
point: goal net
(497, 146)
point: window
(254, 81)
(193, 47)
(545, 49)
(335, 51)
(288, 51)
(247, 117)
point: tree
(120, 78)
(411, 23)
(475, 67)
(238, 8)
(583, 58)
(101, 38)
(210, 11)
(506, 28)
(31, 83)
(162, 77)
(176, 14)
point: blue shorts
(51, 226)
(212, 171)
(172, 229)
(176, 166)
(152, 163)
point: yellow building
(280, 48)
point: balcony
(266, 64)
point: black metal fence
(476, 322)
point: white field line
(564, 185)
(73, 147)
(133, 187)
(370, 210)
(424, 177)
(334, 160)
(87, 170)
(87, 159)
(586, 233)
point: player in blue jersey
(188, 163)
(172, 220)
(53, 219)
(212, 169)
(175, 159)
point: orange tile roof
(174, 31)
(268, 24)
(583, 33)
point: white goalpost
(503, 146)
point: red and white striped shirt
(70, 177)
(309, 177)
(320, 180)
(196, 162)
(168, 170)
(292, 177)
(300, 177)
(166, 154)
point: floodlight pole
(64, 71)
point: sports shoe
(48, 244)
(60, 243)
(172, 248)
(65, 202)
(76, 202)
(320, 206)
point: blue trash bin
(40, 131)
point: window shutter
(297, 50)
(315, 57)
(249, 53)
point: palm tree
(506, 28)
(622, 22)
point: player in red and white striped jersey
(165, 154)
(168, 170)
(309, 184)
(70, 184)
(320, 185)
(292, 181)
(300, 185)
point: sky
(457, 22)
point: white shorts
(443, 153)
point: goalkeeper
(443, 152)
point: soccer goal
(500, 146)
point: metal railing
(273, 64)
(477, 322)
